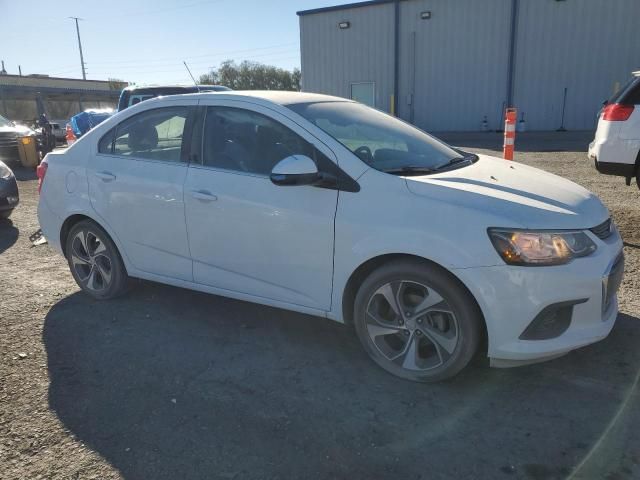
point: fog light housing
(551, 322)
(12, 200)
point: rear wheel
(95, 262)
(416, 321)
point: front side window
(155, 135)
(383, 142)
(245, 141)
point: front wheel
(4, 214)
(417, 321)
(95, 262)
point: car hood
(17, 129)
(524, 196)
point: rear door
(136, 186)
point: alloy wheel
(412, 325)
(91, 261)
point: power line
(134, 15)
(132, 75)
(145, 66)
(137, 62)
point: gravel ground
(168, 383)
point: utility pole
(84, 71)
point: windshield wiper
(472, 157)
(410, 170)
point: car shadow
(170, 383)
(8, 234)
(23, 174)
(577, 141)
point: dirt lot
(168, 383)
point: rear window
(629, 94)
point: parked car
(9, 196)
(616, 147)
(325, 206)
(58, 131)
(9, 134)
(134, 95)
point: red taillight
(41, 171)
(617, 112)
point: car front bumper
(9, 196)
(9, 153)
(512, 298)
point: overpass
(24, 98)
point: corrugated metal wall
(460, 61)
(333, 59)
(584, 45)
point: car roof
(283, 98)
(190, 86)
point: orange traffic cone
(509, 133)
(71, 137)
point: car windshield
(383, 142)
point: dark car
(9, 197)
(9, 134)
(132, 95)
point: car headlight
(526, 247)
(5, 172)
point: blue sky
(146, 41)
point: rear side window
(155, 134)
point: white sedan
(324, 206)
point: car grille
(8, 139)
(603, 230)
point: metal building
(448, 64)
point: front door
(136, 186)
(246, 234)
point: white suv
(324, 206)
(616, 148)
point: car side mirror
(296, 170)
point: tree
(116, 84)
(252, 76)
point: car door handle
(106, 176)
(203, 196)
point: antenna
(194, 80)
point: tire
(94, 261)
(5, 214)
(430, 332)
